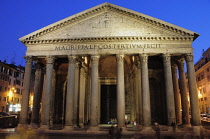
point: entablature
(111, 39)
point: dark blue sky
(21, 17)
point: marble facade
(110, 45)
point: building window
(18, 91)
(198, 78)
(205, 98)
(10, 72)
(18, 82)
(201, 99)
(208, 78)
(204, 90)
(5, 99)
(0, 88)
(0, 98)
(5, 71)
(5, 88)
(2, 69)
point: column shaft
(169, 89)
(94, 91)
(139, 92)
(70, 93)
(132, 105)
(120, 91)
(37, 95)
(176, 95)
(193, 91)
(82, 97)
(53, 114)
(137, 95)
(26, 91)
(145, 91)
(183, 92)
(76, 94)
(47, 93)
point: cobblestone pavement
(183, 133)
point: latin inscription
(106, 46)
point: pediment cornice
(106, 7)
(110, 39)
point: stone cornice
(106, 7)
(110, 39)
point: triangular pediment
(107, 20)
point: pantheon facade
(110, 64)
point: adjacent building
(11, 87)
(109, 63)
(202, 71)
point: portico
(110, 45)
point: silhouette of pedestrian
(173, 124)
(111, 132)
(119, 133)
(157, 129)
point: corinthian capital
(138, 64)
(50, 59)
(72, 59)
(166, 57)
(120, 57)
(181, 63)
(28, 59)
(144, 58)
(189, 57)
(95, 58)
(39, 66)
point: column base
(22, 126)
(69, 128)
(172, 129)
(44, 127)
(187, 125)
(197, 130)
(81, 125)
(93, 128)
(34, 125)
(147, 129)
(75, 126)
(124, 129)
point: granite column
(145, 92)
(37, 96)
(176, 95)
(45, 117)
(169, 89)
(120, 92)
(195, 112)
(70, 93)
(183, 92)
(26, 92)
(94, 93)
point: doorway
(108, 104)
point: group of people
(115, 132)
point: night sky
(21, 17)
